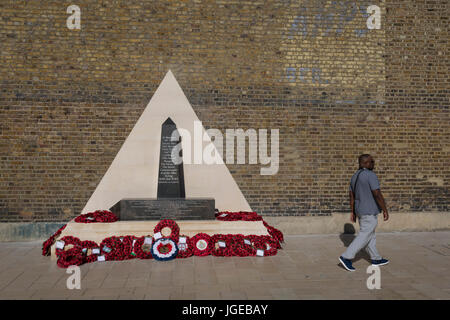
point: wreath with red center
(174, 229)
(218, 250)
(87, 247)
(97, 216)
(202, 244)
(164, 249)
(185, 250)
(50, 241)
(112, 248)
(139, 251)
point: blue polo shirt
(364, 201)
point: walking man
(366, 202)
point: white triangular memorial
(134, 171)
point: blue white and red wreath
(164, 249)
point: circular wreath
(164, 249)
(242, 245)
(219, 251)
(68, 240)
(202, 244)
(71, 257)
(184, 249)
(112, 248)
(174, 229)
(86, 245)
(140, 253)
(268, 244)
(97, 216)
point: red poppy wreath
(174, 229)
(97, 216)
(142, 247)
(185, 248)
(202, 244)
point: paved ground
(307, 268)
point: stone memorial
(171, 202)
(170, 177)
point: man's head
(366, 161)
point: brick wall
(312, 69)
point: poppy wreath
(274, 232)
(112, 248)
(185, 250)
(72, 257)
(235, 216)
(174, 229)
(240, 247)
(219, 251)
(250, 216)
(97, 216)
(140, 253)
(68, 240)
(268, 244)
(47, 244)
(164, 249)
(89, 245)
(202, 244)
(128, 248)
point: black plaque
(165, 208)
(170, 175)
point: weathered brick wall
(312, 69)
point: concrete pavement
(306, 268)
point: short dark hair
(362, 158)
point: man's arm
(380, 200)
(352, 206)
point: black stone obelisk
(170, 176)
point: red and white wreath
(164, 249)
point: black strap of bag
(354, 187)
(356, 182)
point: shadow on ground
(347, 237)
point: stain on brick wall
(312, 69)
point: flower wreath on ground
(164, 249)
(185, 249)
(72, 251)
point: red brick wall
(311, 69)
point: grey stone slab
(165, 208)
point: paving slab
(307, 268)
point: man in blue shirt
(366, 202)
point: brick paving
(307, 268)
